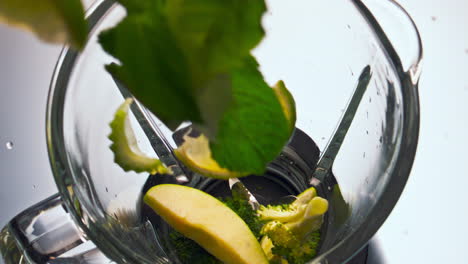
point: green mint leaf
(215, 35)
(153, 68)
(51, 20)
(254, 129)
(175, 53)
(126, 151)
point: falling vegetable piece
(51, 20)
(126, 151)
(287, 103)
(195, 153)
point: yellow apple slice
(195, 153)
(204, 219)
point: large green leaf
(254, 129)
(216, 35)
(152, 66)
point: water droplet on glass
(182, 179)
(107, 190)
(349, 27)
(367, 132)
(351, 71)
(9, 145)
(364, 155)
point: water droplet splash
(9, 145)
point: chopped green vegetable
(292, 234)
(242, 208)
(190, 61)
(302, 253)
(288, 212)
(51, 20)
(126, 151)
(189, 252)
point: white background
(429, 223)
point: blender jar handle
(45, 233)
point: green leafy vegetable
(215, 35)
(254, 129)
(171, 51)
(51, 20)
(190, 60)
(126, 151)
(153, 68)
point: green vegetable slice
(126, 151)
(51, 20)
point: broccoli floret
(301, 253)
(292, 234)
(287, 212)
(188, 251)
(242, 208)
